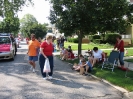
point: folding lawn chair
(111, 61)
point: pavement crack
(105, 95)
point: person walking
(33, 46)
(46, 50)
(120, 47)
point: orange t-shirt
(33, 47)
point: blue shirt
(89, 64)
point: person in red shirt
(120, 47)
(46, 50)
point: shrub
(97, 41)
(96, 37)
(111, 38)
(73, 40)
(92, 37)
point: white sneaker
(50, 77)
(33, 70)
(45, 78)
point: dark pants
(121, 58)
(42, 62)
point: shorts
(33, 58)
(100, 60)
(61, 45)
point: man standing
(62, 40)
(33, 46)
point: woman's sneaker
(33, 70)
(50, 77)
(45, 78)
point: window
(5, 40)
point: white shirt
(98, 54)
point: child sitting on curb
(85, 67)
(78, 65)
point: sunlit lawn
(100, 46)
(88, 46)
(130, 52)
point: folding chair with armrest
(111, 61)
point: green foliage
(73, 40)
(12, 6)
(89, 16)
(97, 41)
(111, 38)
(10, 25)
(29, 25)
(8, 12)
(96, 37)
(39, 30)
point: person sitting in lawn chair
(78, 65)
(97, 56)
(85, 67)
(70, 53)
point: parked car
(8, 47)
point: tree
(12, 5)
(39, 30)
(26, 24)
(29, 24)
(89, 16)
(10, 25)
(8, 11)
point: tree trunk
(80, 36)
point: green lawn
(117, 77)
(130, 52)
(88, 46)
(100, 46)
(129, 60)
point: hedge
(73, 40)
(98, 41)
(111, 38)
(92, 37)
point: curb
(125, 93)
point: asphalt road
(18, 82)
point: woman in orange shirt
(33, 46)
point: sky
(40, 11)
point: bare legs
(32, 63)
(93, 60)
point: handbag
(46, 68)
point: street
(18, 82)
